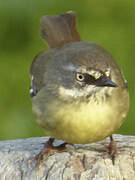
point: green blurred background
(108, 23)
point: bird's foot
(112, 149)
(48, 150)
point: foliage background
(108, 23)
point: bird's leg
(48, 146)
(112, 149)
(48, 150)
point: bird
(79, 94)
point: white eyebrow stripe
(69, 67)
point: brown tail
(58, 30)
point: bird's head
(82, 69)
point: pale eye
(79, 77)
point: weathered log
(78, 162)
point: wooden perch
(81, 162)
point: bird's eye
(80, 77)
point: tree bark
(78, 162)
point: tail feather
(59, 30)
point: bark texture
(78, 162)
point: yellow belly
(85, 123)
(81, 122)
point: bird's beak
(105, 81)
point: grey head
(72, 68)
(76, 70)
